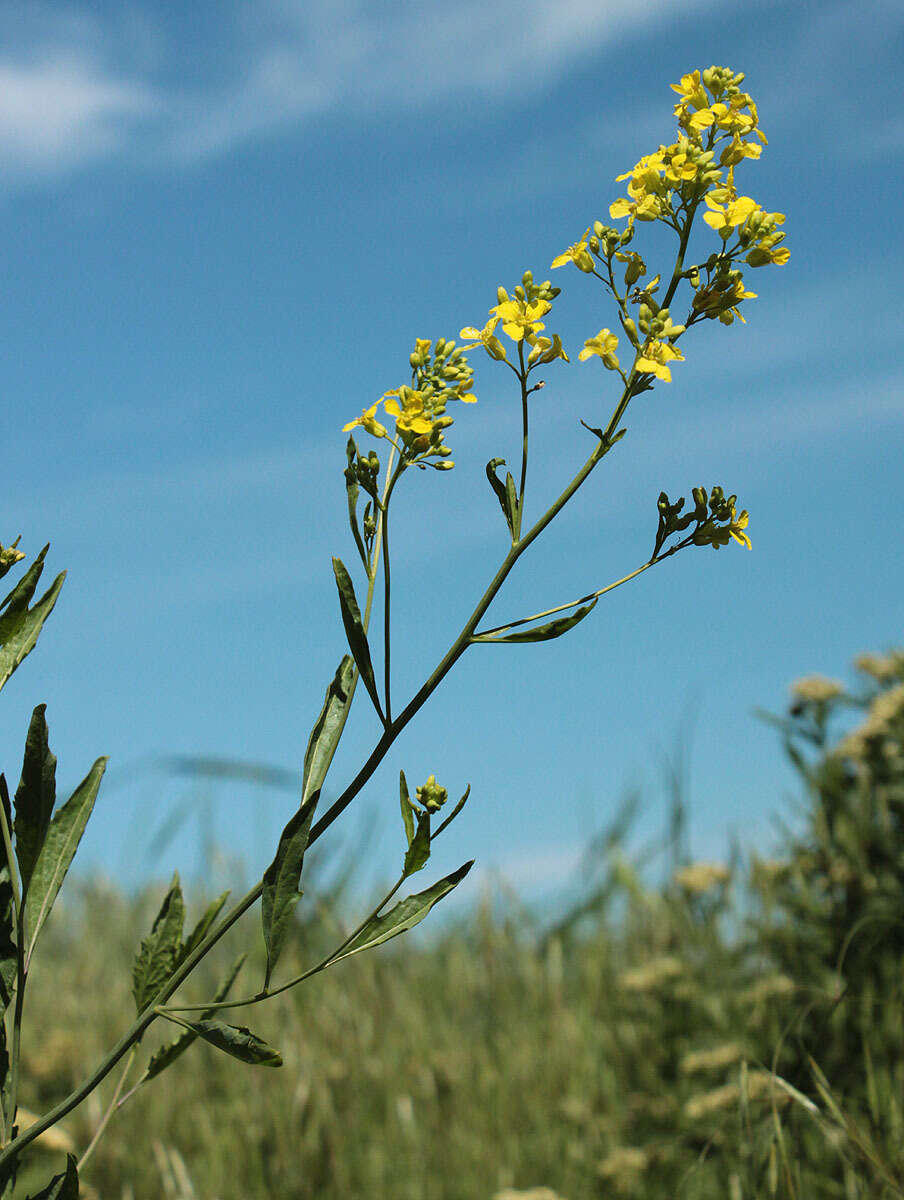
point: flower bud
(430, 794)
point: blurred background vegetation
(699, 1030)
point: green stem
(549, 612)
(386, 611)
(16, 1047)
(458, 647)
(522, 378)
(390, 733)
(112, 1107)
(6, 807)
(305, 975)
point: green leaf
(540, 633)
(512, 505)
(35, 795)
(280, 885)
(505, 494)
(327, 730)
(238, 1041)
(419, 850)
(166, 1055)
(405, 915)
(453, 814)
(497, 486)
(159, 953)
(8, 952)
(60, 844)
(19, 624)
(354, 631)
(408, 808)
(61, 1187)
(198, 934)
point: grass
(722, 1034)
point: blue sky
(225, 226)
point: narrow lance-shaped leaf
(453, 814)
(35, 795)
(19, 624)
(327, 729)
(8, 952)
(60, 844)
(168, 1054)
(159, 953)
(281, 883)
(405, 915)
(419, 850)
(505, 494)
(236, 1040)
(408, 809)
(354, 631)
(513, 507)
(63, 1186)
(539, 633)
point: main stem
(390, 733)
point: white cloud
(74, 88)
(61, 110)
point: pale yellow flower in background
(816, 688)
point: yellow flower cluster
(521, 317)
(439, 374)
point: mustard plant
(694, 176)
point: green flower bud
(431, 795)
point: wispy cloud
(75, 88)
(64, 109)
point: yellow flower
(737, 527)
(691, 91)
(656, 355)
(486, 338)
(411, 420)
(736, 150)
(721, 300)
(680, 168)
(521, 319)
(369, 422)
(577, 254)
(647, 209)
(603, 345)
(725, 219)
